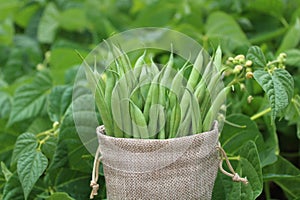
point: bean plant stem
(235, 125)
(267, 190)
(258, 115)
(234, 158)
(268, 36)
(41, 142)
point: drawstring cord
(95, 174)
(94, 185)
(235, 176)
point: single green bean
(139, 122)
(214, 109)
(196, 70)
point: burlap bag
(179, 168)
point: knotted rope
(235, 176)
(94, 185)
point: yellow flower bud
(242, 86)
(282, 55)
(249, 75)
(230, 59)
(249, 99)
(55, 124)
(240, 58)
(48, 55)
(248, 63)
(223, 107)
(237, 69)
(40, 67)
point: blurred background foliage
(38, 34)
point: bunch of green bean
(141, 101)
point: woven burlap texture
(179, 168)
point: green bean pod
(97, 86)
(196, 70)
(139, 122)
(214, 109)
(175, 120)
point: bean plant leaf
(278, 86)
(8, 7)
(59, 196)
(265, 5)
(13, 189)
(284, 174)
(71, 23)
(292, 113)
(222, 27)
(23, 16)
(291, 39)
(26, 142)
(7, 32)
(247, 166)
(48, 24)
(30, 100)
(250, 166)
(58, 102)
(75, 145)
(7, 174)
(73, 182)
(256, 56)
(5, 104)
(31, 166)
(234, 137)
(293, 57)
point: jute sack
(179, 168)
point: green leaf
(48, 24)
(39, 125)
(7, 174)
(5, 104)
(293, 57)
(60, 157)
(26, 142)
(291, 39)
(284, 174)
(75, 183)
(279, 87)
(222, 28)
(6, 32)
(60, 196)
(256, 56)
(13, 189)
(265, 5)
(292, 113)
(73, 19)
(58, 102)
(49, 146)
(248, 166)
(63, 58)
(251, 168)
(22, 58)
(31, 166)
(8, 136)
(25, 14)
(7, 8)
(157, 14)
(234, 137)
(30, 100)
(78, 156)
